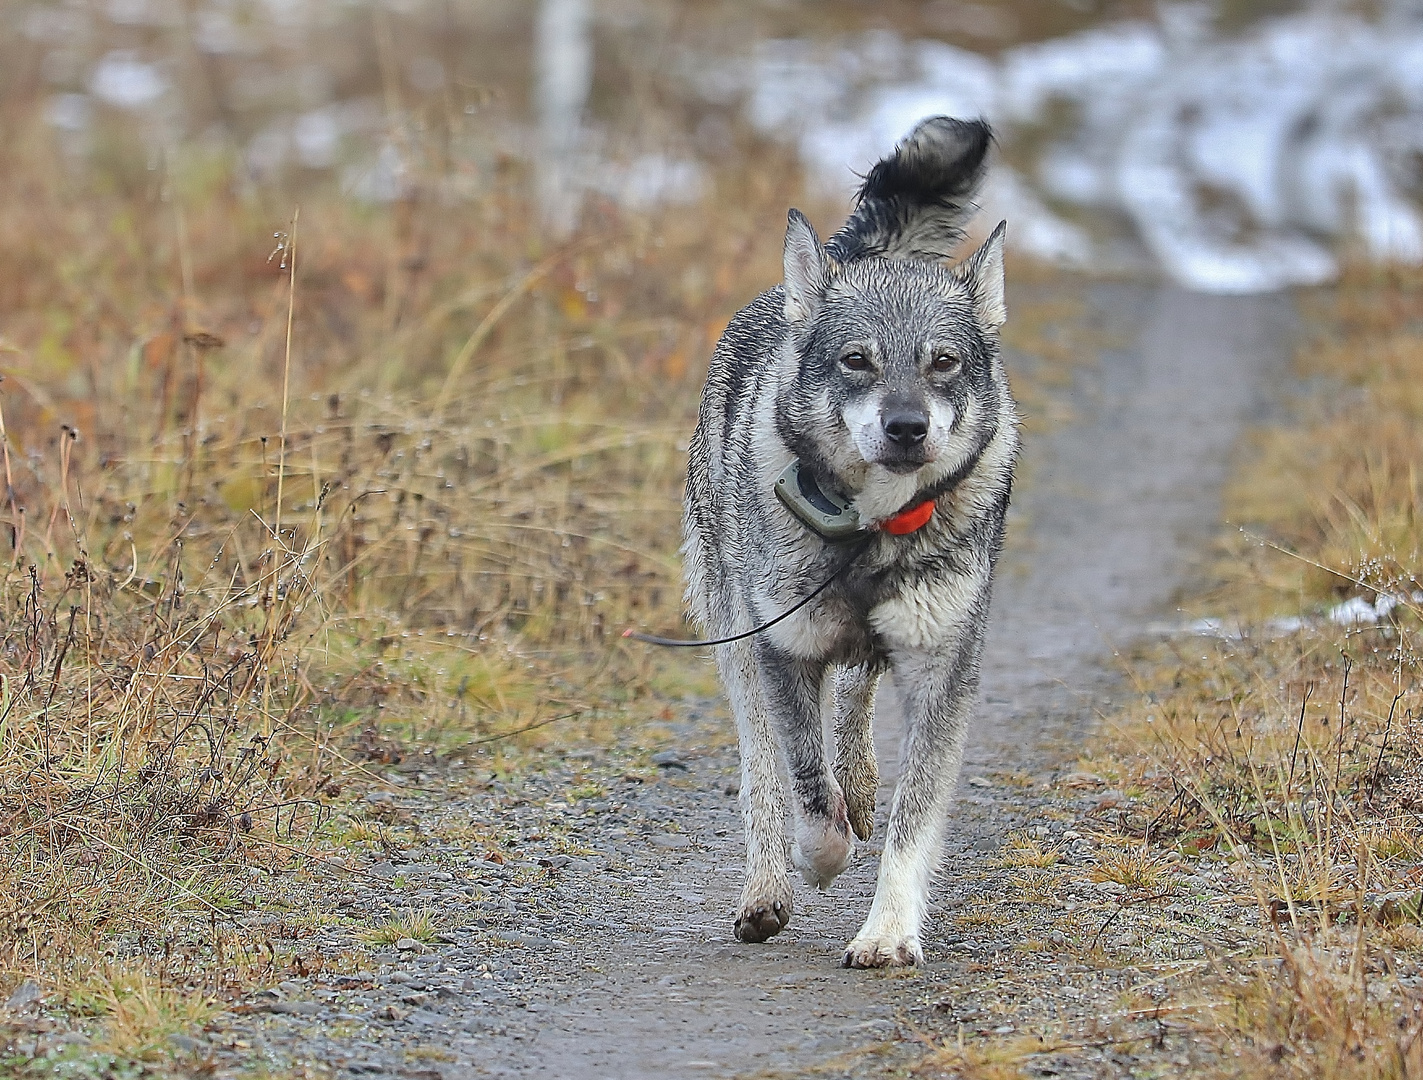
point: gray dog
(857, 429)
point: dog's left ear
(807, 269)
(982, 272)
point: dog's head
(898, 381)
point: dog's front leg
(766, 901)
(855, 766)
(938, 693)
(822, 845)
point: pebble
(295, 1008)
(25, 996)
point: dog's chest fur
(753, 559)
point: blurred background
(1234, 146)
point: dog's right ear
(807, 269)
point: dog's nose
(907, 428)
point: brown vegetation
(1292, 748)
(277, 511)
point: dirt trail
(623, 964)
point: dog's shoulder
(747, 348)
(754, 332)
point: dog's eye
(947, 362)
(855, 361)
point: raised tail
(913, 203)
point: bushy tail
(914, 202)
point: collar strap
(908, 521)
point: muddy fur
(877, 366)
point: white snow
(1242, 163)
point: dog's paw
(859, 780)
(822, 849)
(865, 952)
(763, 915)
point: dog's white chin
(885, 492)
(902, 468)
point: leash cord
(652, 639)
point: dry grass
(417, 925)
(272, 519)
(1297, 754)
(1023, 850)
(1136, 867)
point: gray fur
(912, 203)
(784, 384)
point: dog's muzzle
(906, 431)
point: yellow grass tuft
(1023, 850)
(1136, 868)
(419, 925)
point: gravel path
(602, 947)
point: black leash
(651, 639)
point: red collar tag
(911, 520)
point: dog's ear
(982, 272)
(807, 269)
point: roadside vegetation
(1275, 752)
(1291, 742)
(290, 498)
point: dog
(869, 386)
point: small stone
(669, 759)
(979, 781)
(409, 944)
(670, 841)
(25, 996)
(295, 1008)
(392, 1012)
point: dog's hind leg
(855, 766)
(938, 693)
(766, 900)
(822, 846)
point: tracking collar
(830, 516)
